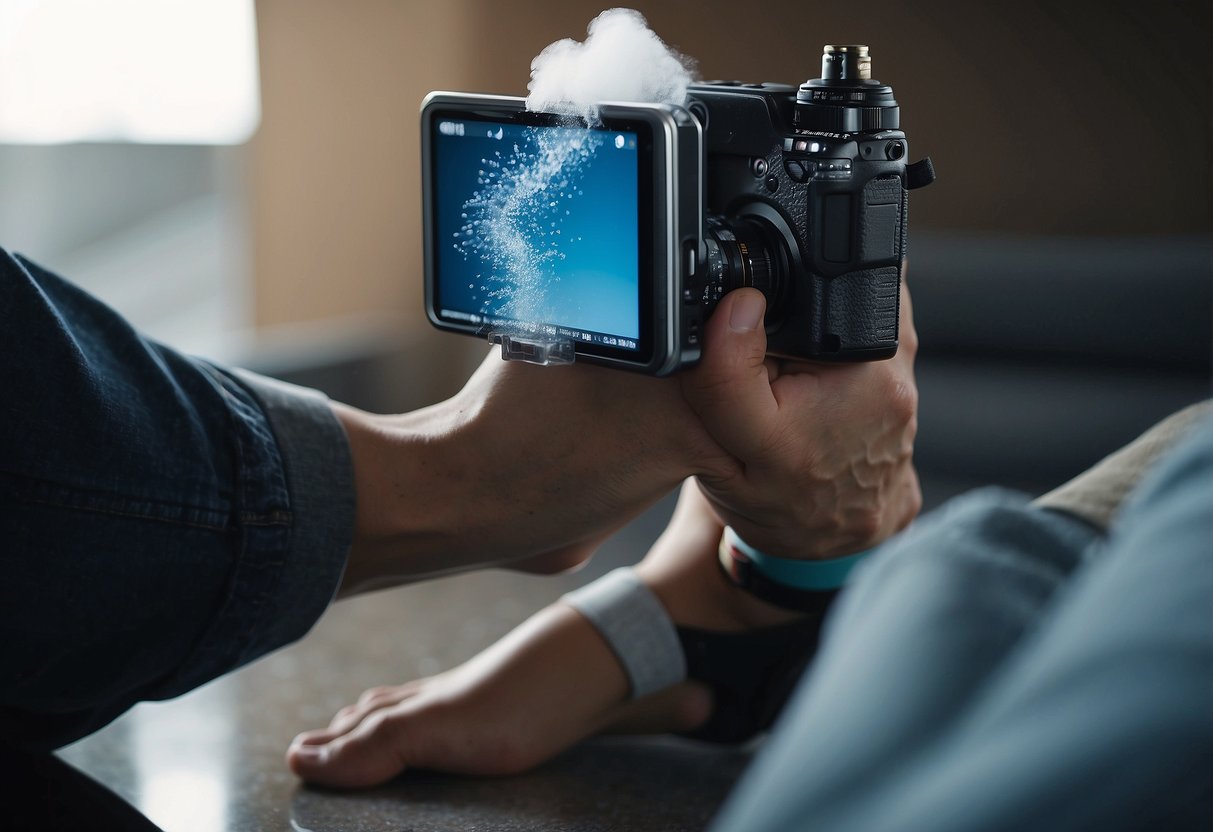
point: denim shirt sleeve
(315, 456)
(163, 520)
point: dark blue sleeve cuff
(320, 481)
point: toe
(372, 701)
(372, 753)
(318, 737)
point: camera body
(800, 193)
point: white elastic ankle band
(636, 626)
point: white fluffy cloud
(620, 60)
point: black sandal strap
(751, 674)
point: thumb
(730, 389)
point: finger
(730, 389)
(907, 335)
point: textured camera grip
(882, 222)
(861, 311)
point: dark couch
(1042, 354)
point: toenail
(317, 754)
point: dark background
(1079, 117)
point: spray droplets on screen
(512, 224)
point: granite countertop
(213, 759)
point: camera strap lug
(920, 174)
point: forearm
(526, 467)
(405, 478)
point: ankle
(749, 611)
(705, 599)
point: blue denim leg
(162, 520)
(984, 675)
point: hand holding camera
(824, 451)
(614, 242)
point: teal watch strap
(811, 575)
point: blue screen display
(537, 227)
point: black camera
(614, 241)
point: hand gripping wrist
(802, 585)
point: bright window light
(156, 71)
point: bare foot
(550, 683)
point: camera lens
(845, 99)
(846, 63)
(744, 251)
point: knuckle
(374, 693)
(903, 401)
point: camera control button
(690, 261)
(798, 169)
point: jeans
(162, 520)
(1003, 667)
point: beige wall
(1079, 117)
(335, 172)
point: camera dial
(846, 63)
(845, 99)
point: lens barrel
(845, 99)
(743, 251)
(846, 63)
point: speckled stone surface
(212, 760)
